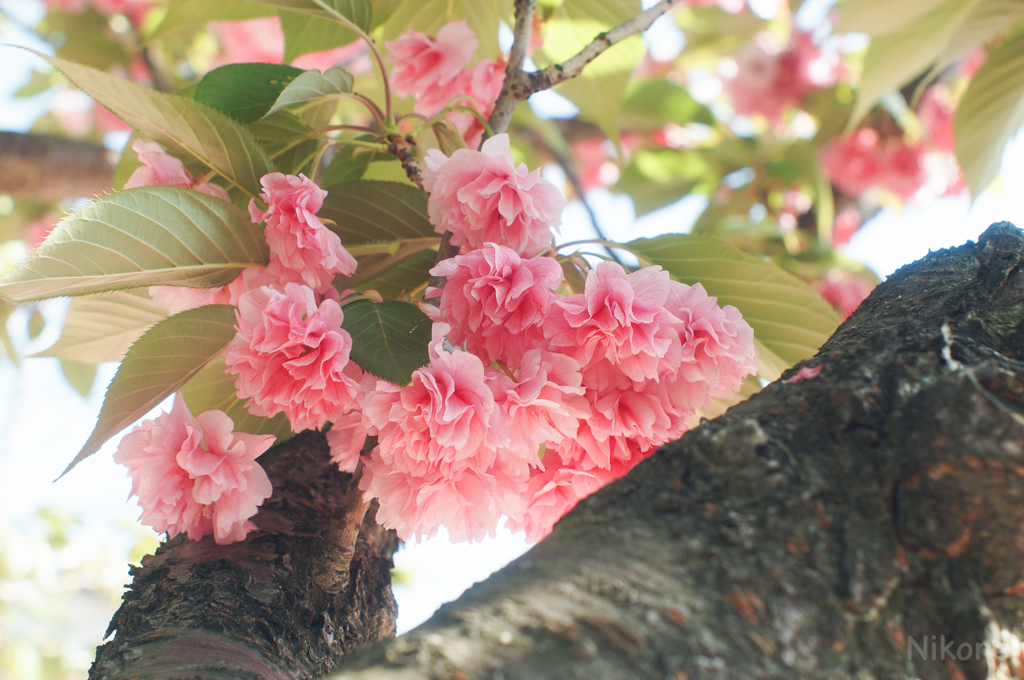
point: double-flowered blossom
(483, 197)
(194, 475)
(423, 63)
(438, 458)
(302, 249)
(292, 356)
(496, 302)
(161, 169)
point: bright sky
(43, 421)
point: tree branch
(50, 168)
(506, 104)
(813, 531)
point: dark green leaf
(244, 92)
(166, 357)
(350, 163)
(399, 278)
(368, 211)
(389, 339)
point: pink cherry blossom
(805, 373)
(481, 197)
(864, 160)
(195, 475)
(348, 432)
(468, 505)
(717, 344)
(544, 405)
(936, 115)
(446, 420)
(768, 82)
(423, 63)
(37, 231)
(177, 298)
(161, 169)
(477, 88)
(262, 41)
(496, 301)
(302, 249)
(618, 325)
(290, 356)
(843, 290)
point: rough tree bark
(50, 168)
(831, 527)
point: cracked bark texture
(47, 168)
(250, 610)
(816, 530)
(810, 532)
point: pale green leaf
(877, 17)
(358, 12)
(187, 128)
(895, 59)
(141, 237)
(369, 210)
(313, 85)
(389, 339)
(79, 374)
(787, 315)
(245, 92)
(304, 34)
(990, 112)
(429, 16)
(598, 91)
(102, 327)
(166, 357)
(214, 390)
(986, 20)
(194, 12)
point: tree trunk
(47, 168)
(867, 522)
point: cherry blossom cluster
(434, 71)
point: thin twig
(506, 103)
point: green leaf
(87, 38)
(389, 339)
(102, 327)
(877, 17)
(185, 127)
(214, 390)
(368, 211)
(127, 164)
(402, 277)
(895, 59)
(448, 138)
(349, 164)
(359, 12)
(80, 375)
(787, 315)
(985, 20)
(649, 104)
(166, 357)
(990, 112)
(428, 16)
(312, 86)
(245, 92)
(598, 91)
(657, 177)
(193, 12)
(287, 138)
(304, 34)
(141, 237)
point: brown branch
(50, 168)
(507, 100)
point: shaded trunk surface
(828, 528)
(47, 168)
(251, 610)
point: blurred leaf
(312, 85)
(389, 339)
(86, 38)
(448, 138)
(192, 12)
(102, 327)
(214, 390)
(359, 12)
(304, 34)
(657, 177)
(895, 59)
(141, 237)
(787, 315)
(79, 375)
(428, 16)
(598, 90)
(245, 92)
(990, 112)
(985, 20)
(37, 84)
(368, 211)
(878, 17)
(166, 357)
(185, 127)
(650, 104)
(36, 324)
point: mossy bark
(828, 528)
